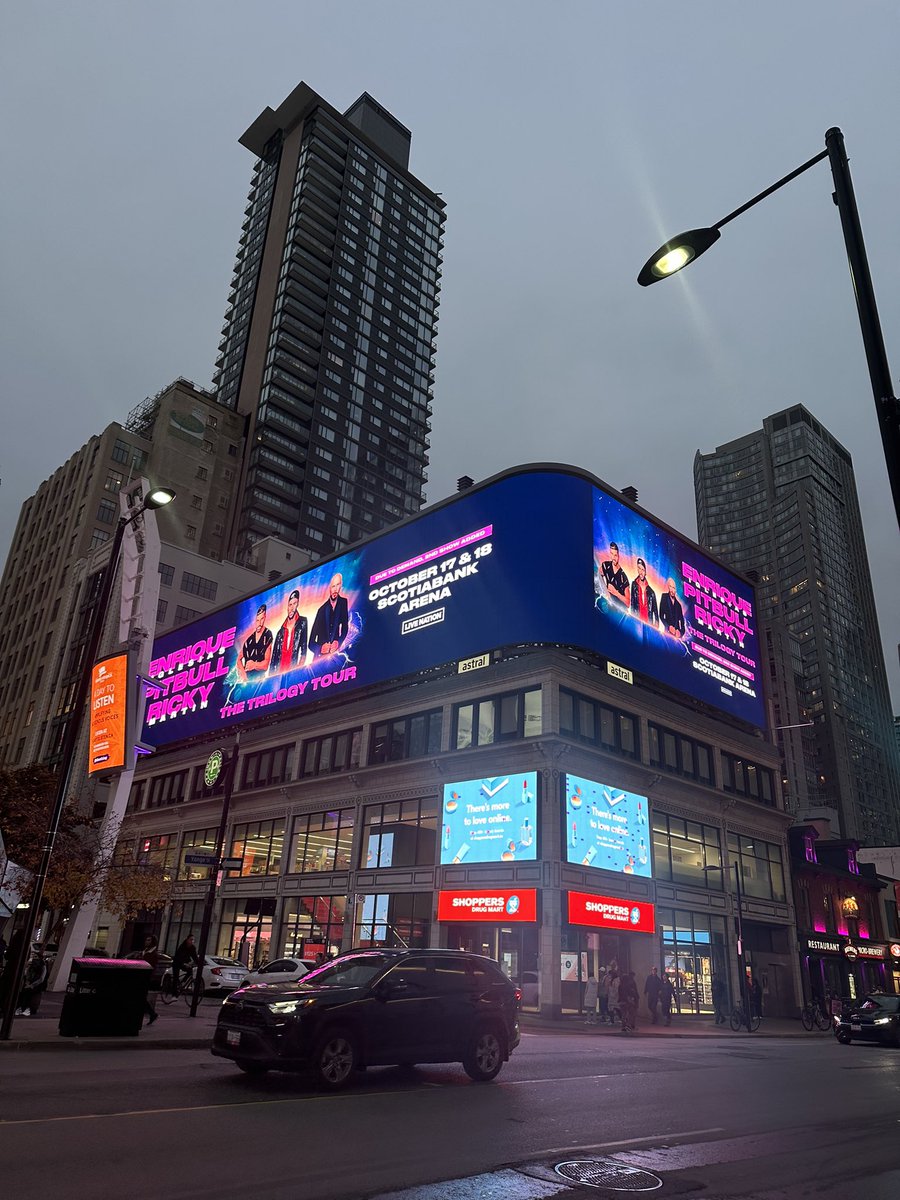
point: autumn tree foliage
(82, 865)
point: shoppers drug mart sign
(611, 912)
(498, 905)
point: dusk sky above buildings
(569, 140)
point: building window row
(499, 718)
(598, 724)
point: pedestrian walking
(755, 998)
(614, 984)
(603, 995)
(651, 991)
(150, 954)
(720, 999)
(666, 998)
(34, 982)
(629, 999)
(591, 992)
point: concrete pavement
(177, 1030)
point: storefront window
(693, 947)
(400, 834)
(682, 850)
(159, 851)
(259, 845)
(392, 919)
(185, 919)
(245, 930)
(313, 925)
(322, 841)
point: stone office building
(547, 794)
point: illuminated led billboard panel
(524, 559)
(490, 820)
(606, 827)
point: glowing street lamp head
(676, 253)
(159, 497)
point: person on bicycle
(184, 955)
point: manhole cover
(604, 1173)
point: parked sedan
(281, 970)
(874, 1019)
(219, 974)
(375, 1008)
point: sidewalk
(176, 1030)
(681, 1027)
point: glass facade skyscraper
(781, 502)
(329, 337)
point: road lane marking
(657, 1137)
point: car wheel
(250, 1068)
(485, 1056)
(335, 1059)
(843, 1038)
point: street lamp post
(739, 930)
(679, 251)
(156, 498)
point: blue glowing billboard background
(606, 827)
(525, 559)
(490, 820)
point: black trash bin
(105, 997)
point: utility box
(105, 997)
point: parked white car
(219, 974)
(280, 970)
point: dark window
(406, 737)
(167, 789)
(166, 574)
(183, 615)
(162, 607)
(497, 719)
(597, 723)
(748, 779)
(671, 751)
(121, 452)
(401, 833)
(266, 767)
(196, 585)
(760, 865)
(106, 512)
(335, 752)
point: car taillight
(518, 995)
(216, 971)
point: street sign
(231, 864)
(200, 860)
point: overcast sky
(568, 139)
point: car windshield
(889, 1004)
(352, 971)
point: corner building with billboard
(528, 722)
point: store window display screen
(606, 827)
(490, 820)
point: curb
(76, 1043)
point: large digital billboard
(523, 559)
(606, 827)
(490, 820)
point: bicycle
(812, 1015)
(741, 1019)
(183, 989)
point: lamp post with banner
(215, 765)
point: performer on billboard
(643, 597)
(615, 577)
(331, 621)
(289, 650)
(670, 612)
(256, 652)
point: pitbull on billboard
(673, 610)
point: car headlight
(284, 1008)
(882, 1021)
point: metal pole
(886, 404)
(230, 771)
(745, 999)
(67, 764)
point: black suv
(375, 1008)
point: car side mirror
(388, 989)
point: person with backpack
(34, 983)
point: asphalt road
(755, 1117)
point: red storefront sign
(611, 912)
(488, 904)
